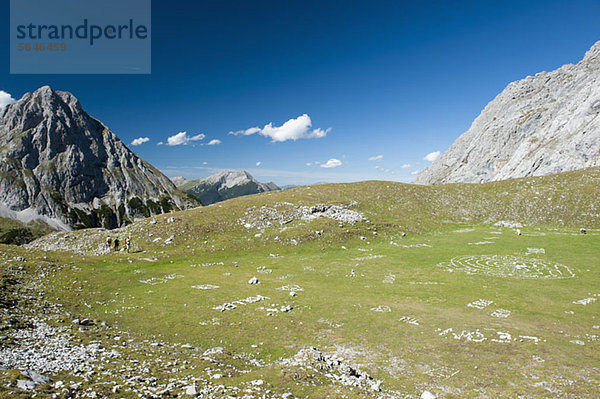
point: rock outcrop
(59, 164)
(543, 124)
(223, 185)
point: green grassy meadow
(388, 304)
(333, 311)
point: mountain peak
(60, 163)
(593, 54)
(543, 124)
(224, 185)
(44, 89)
(43, 104)
(48, 94)
(45, 95)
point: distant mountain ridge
(60, 165)
(222, 186)
(543, 124)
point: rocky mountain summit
(223, 185)
(59, 164)
(179, 180)
(543, 124)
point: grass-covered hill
(372, 289)
(563, 200)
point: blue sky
(397, 79)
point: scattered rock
(38, 379)
(26, 385)
(291, 287)
(509, 224)
(427, 395)
(284, 213)
(333, 367)
(205, 287)
(381, 308)
(190, 390)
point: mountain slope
(224, 185)
(543, 124)
(61, 165)
(564, 200)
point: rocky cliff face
(223, 185)
(59, 164)
(543, 124)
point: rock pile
(334, 368)
(509, 224)
(46, 349)
(284, 213)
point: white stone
(254, 280)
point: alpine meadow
(250, 219)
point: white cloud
(384, 170)
(309, 164)
(214, 142)
(140, 141)
(405, 166)
(5, 99)
(377, 158)
(160, 143)
(415, 172)
(293, 129)
(332, 163)
(258, 163)
(182, 138)
(247, 132)
(432, 156)
(204, 163)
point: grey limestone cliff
(543, 124)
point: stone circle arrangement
(508, 266)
